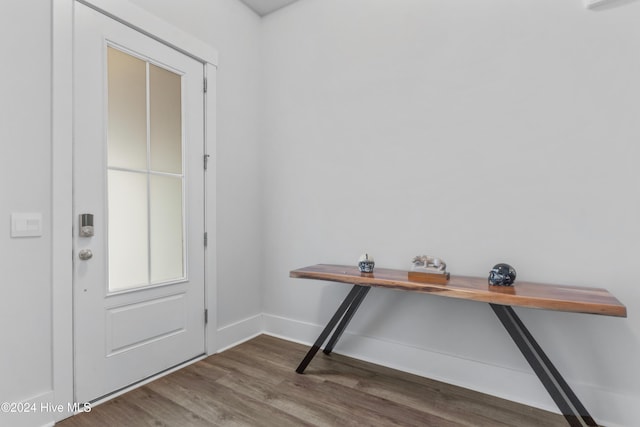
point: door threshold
(147, 380)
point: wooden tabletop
(523, 294)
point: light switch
(26, 224)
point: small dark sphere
(502, 275)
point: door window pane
(165, 94)
(145, 177)
(166, 228)
(127, 95)
(128, 230)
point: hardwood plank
(327, 396)
(464, 406)
(117, 412)
(254, 384)
(222, 405)
(162, 410)
(523, 294)
(210, 404)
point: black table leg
(346, 319)
(356, 294)
(568, 403)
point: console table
(501, 299)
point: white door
(138, 171)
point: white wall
(25, 145)
(233, 30)
(480, 132)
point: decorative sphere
(502, 275)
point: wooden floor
(254, 384)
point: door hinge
(206, 316)
(206, 239)
(206, 161)
(204, 85)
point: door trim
(62, 179)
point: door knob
(85, 254)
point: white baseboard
(236, 333)
(606, 407)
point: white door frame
(62, 166)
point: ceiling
(264, 7)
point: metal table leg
(346, 319)
(351, 302)
(568, 403)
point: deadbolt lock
(86, 225)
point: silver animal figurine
(428, 264)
